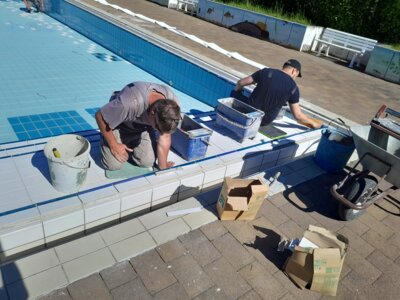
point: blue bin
(240, 118)
(334, 150)
(238, 111)
(190, 140)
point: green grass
(395, 46)
(275, 12)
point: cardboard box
(318, 264)
(240, 199)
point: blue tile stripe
(49, 124)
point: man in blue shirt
(274, 89)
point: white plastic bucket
(68, 172)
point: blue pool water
(52, 79)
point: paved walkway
(238, 260)
(326, 83)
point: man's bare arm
(303, 118)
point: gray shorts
(143, 146)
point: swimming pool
(32, 212)
(54, 78)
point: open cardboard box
(240, 199)
(317, 262)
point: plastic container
(334, 150)
(240, 118)
(191, 139)
(238, 111)
(68, 157)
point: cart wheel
(354, 194)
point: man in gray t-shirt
(127, 121)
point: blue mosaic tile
(92, 111)
(49, 124)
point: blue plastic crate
(191, 139)
(238, 111)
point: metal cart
(378, 148)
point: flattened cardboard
(240, 199)
(318, 268)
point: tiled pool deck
(221, 260)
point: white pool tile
(141, 198)
(165, 185)
(61, 216)
(21, 150)
(136, 184)
(25, 233)
(214, 170)
(288, 151)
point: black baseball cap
(293, 63)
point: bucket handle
(79, 168)
(347, 127)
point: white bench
(343, 40)
(187, 5)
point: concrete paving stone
(193, 237)
(290, 287)
(377, 212)
(344, 293)
(153, 271)
(393, 221)
(379, 242)
(214, 293)
(328, 220)
(353, 282)
(133, 246)
(273, 214)
(375, 225)
(127, 291)
(190, 275)
(203, 252)
(91, 287)
(60, 294)
(250, 295)
(395, 240)
(278, 200)
(291, 229)
(356, 242)
(298, 199)
(225, 277)
(382, 287)
(214, 230)
(169, 231)
(38, 284)
(288, 296)
(299, 216)
(241, 230)
(207, 215)
(361, 266)
(386, 265)
(88, 264)
(79, 247)
(357, 227)
(118, 275)
(28, 266)
(233, 251)
(173, 292)
(304, 188)
(122, 231)
(171, 250)
(262, 281)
